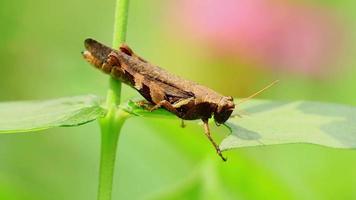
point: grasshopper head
(223, 111)
(96, 53)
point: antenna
(257, 93)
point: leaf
(270, 122)
(134, 109)
(25, 116)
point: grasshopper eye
(223, 115)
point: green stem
(110, 132)
(119, 37)
(120, 26)
(112, 123)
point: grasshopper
(186, 99)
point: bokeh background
(233, 46)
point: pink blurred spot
(275, 34)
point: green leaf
(25, 116)
(270, 122)
(132, 108)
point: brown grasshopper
(186, 99)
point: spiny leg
(207, 133)
(151, 107)
(182, 124)
(144, 104)
(166, 105)
(160, 104)
(173, 106)
(183, 102)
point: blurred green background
(40, 45)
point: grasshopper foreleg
(207, 133)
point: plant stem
(119, 37)
(120, 26)
(112, 123)
(110, 132)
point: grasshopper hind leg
(207, 133)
